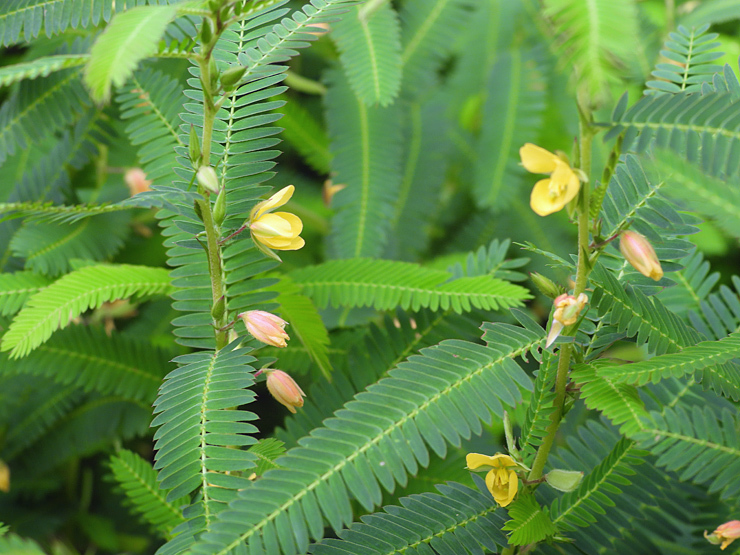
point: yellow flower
(501, 481)
(551, 194)
(278, 231)
(724, 534)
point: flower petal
(478, 462)
(536, 159)
(272, 225)
(542, 202)
(276, 200)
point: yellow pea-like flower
(501, 480)
(552, 194)
(276, 230)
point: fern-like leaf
(595, 37)
(153, 101)
(365, 142)
(16, 288)
(68, 297)
(305, 322)
(703, 128)
(593, 495)
(692, 52)
(370, 51)
(709, 196)
(200, 432)
(700, 445)
(511, 114)
(25, 19)
(138, 481)
(87, 358)
(49, 247)
(430, 30)
(40, 107)
(700, 358)
(619, 402)
(529, 522)
(385, 284)
(540, 408)
(435, 396)
(457, 520)
(309, 138)
(130, 37)
(267, 451)
(40, 67)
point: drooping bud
(567, 309)
(564, 480)
(284, 389)
(546, 286)
(265, 327)
(724, 534)
(208, 179)
(136, 180)
(640, 253)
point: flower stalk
(582, 272)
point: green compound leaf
(130, 37)
(58, 304)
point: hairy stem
(582, 272)
(213, 232)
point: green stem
(566, 351)
(213, 233)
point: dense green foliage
(139, 141)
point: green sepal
(219, 208)
(231, 77)
(194, 148)
(219, 308)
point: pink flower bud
(724, 534)
(284, 389)
(136, 180)
(265, 327)
(640, 253)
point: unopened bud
(284, 389)
(724, 534)
(206, 31)
(265, 327)
(564, 480)
(640, 253)
(136, 180)
(219, 209)
(231, 77)
(546, 286)
(194, 147)
(219, 308)
(208, 179)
